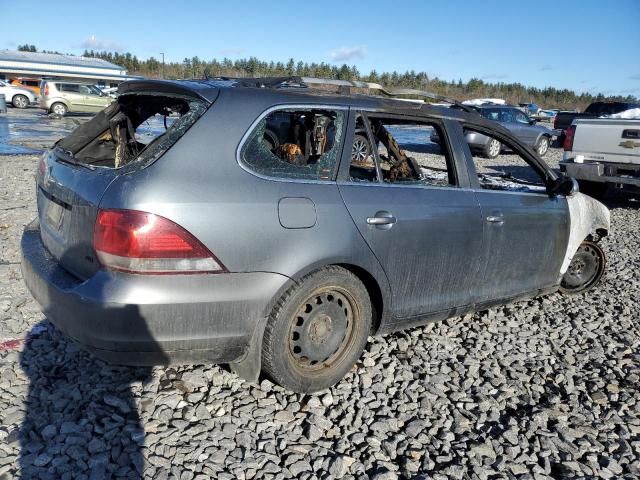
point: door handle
(498, 219)
(382, 219)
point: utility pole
(162, 53)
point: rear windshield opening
(135, 128)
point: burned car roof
(209, 89)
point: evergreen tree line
(194, 67)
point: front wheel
(20, 101)
(543, 146)
(492, 149)
(585, 270)
(317, 331)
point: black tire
(20, 101)
(542, 147)
(490, 150)
(594, 189)
(317, 331)
(360, 149)
(585, 270)
(59, 108)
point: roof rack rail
(344, 86)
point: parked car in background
(19, 97)
(148, 253)
(530, 109)
(547, 115)
(60, 97)
(520, 125)
(32, 84)
(597, 109)
(603, 152)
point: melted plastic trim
(586, 216)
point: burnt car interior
(394, 142)
(300, 137)
(135, 127)
(296, 143)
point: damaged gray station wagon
(237, 221)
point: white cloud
(343, 54)
(92, 43)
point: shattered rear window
(296, 143)
(137, 128)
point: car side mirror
(532, 121)
(567, 186)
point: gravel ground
(545, 388)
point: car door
(525, 131)
(525, 230)
(93, 101)
(71, 93)
(427, 234)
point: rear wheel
(59, 108)
(585, 270)
(543, 146)
(317, 331)
(492, 149)
(20, 101)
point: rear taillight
(569, 133)
(46, 89)
(141, 242)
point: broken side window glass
(499, 165)
(363, 164)
(296, 143)
(409, 153)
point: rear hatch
(127, 136)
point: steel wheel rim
(585, 269)
(322, 330)
(543, 147)
(21, 102)
(359, 150)
(58, 109)
(494, 148)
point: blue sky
(581, 45)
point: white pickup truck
(600, 152)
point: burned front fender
(587, 216)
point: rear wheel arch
(374, 290)
(376, 283)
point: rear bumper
(603, 172)
(150, 319)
